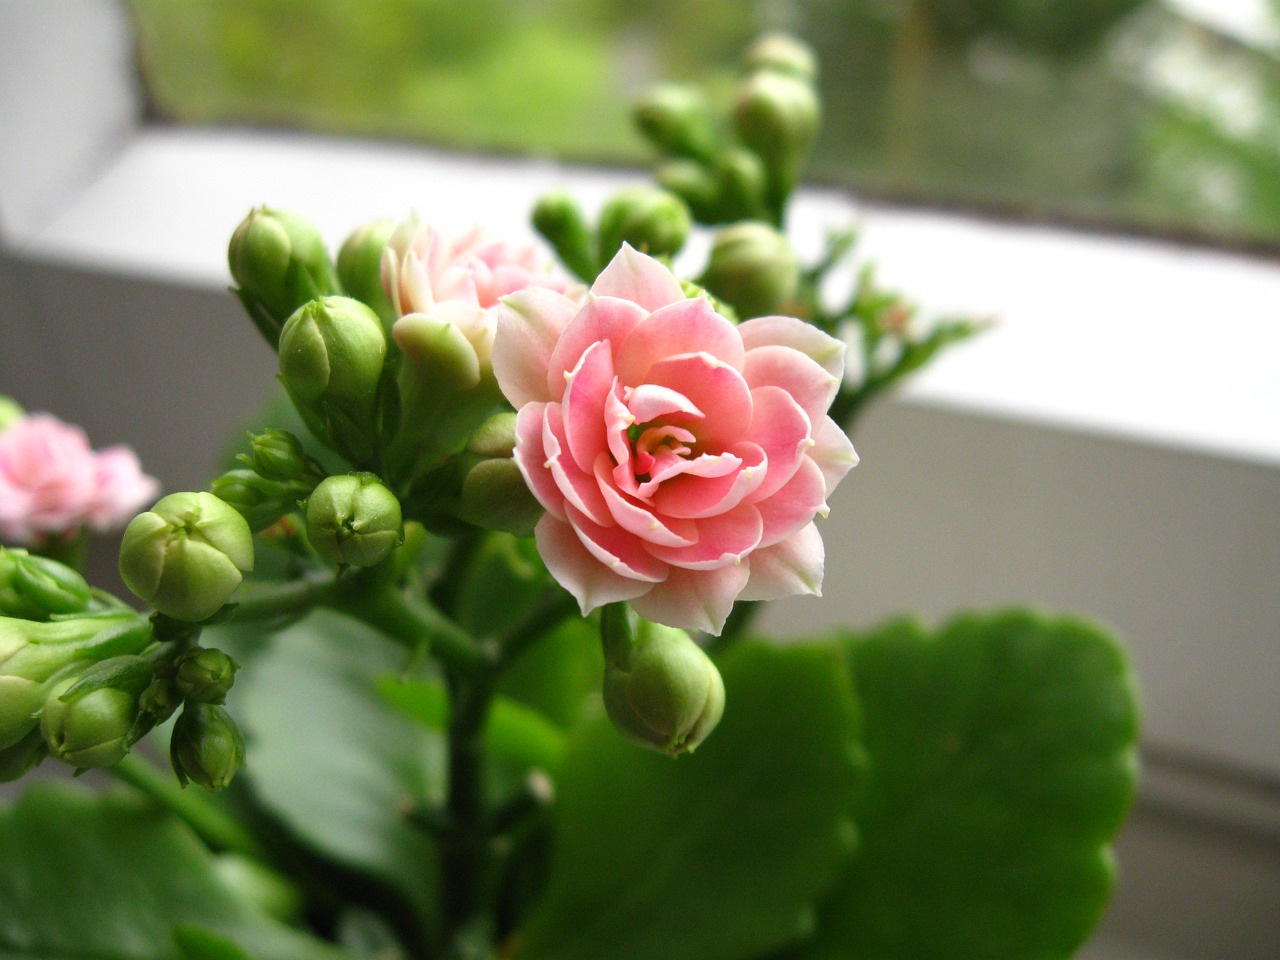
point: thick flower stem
(267, 601)
(215, 827)
(464, 846)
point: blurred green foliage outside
(1098, 111)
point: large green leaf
(105, 877)
(717, 856)
(330, 758)
(1002, 755)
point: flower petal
(529, 325)
(694, 599)
(601, 318)
(689, 326)
(638, 518)
(833, 452)
(584, 407)
(782, 429)
(826, 350)
(723, 540)
(801, 376)
(788, 568)
(618, 549)
(531, 457)
(575, 569)
(631, 275)
(795, 505)
(693, 496)
(716, 389)
(578, 487)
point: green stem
(409, 621)
(266, 601)
(214, 826)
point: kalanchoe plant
(512, 529)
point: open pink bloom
(51, 482)
(459, 280)
(681, 459)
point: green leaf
(1002, 762)
(105, 877)
(717, 856)
(560, 674)
(331, 760)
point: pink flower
(458, 280)
(51, 482)
(681, 459)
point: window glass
(1149, 114)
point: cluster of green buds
(661, 690)
(277, 475)
(774, 119)
(68, 687)
(653, 220)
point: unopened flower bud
(752, 268)
(279, 261)
(660, 689)
(279, 455)
(36, 588)
(331, 356)
(360, 268)
(89, 730)
(10, 412)
(782, 53)
(354, 520)
(260, 501)
(186, 555)
(678, 121)
(204, 676)
(692, 182)
(777, 116)
(559, 218)
(20, 702)
(37, 651)
(206, 746)
(653, 221)
(741, 185)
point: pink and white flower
(458, 281)
(52, 482)
(681, 459)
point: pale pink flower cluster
(681, 459)
(52, 482)
(460, 280)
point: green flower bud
(10, 412)
(279, 261)
(36, 588)
(206, 747)
(360, 268)
(354, 520)
(279, 455)
(186, 555)
(678, 121)
(36, 651)
(782, 54)
(661, 690)
(653, 221)
(752, 268)
(20, 702)
(560, 220)
(741, 184)
(160, 699)
(331, 355)
(777, 116)
(204, 676)
(694, 185)
(260, 501)
(89, 730)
